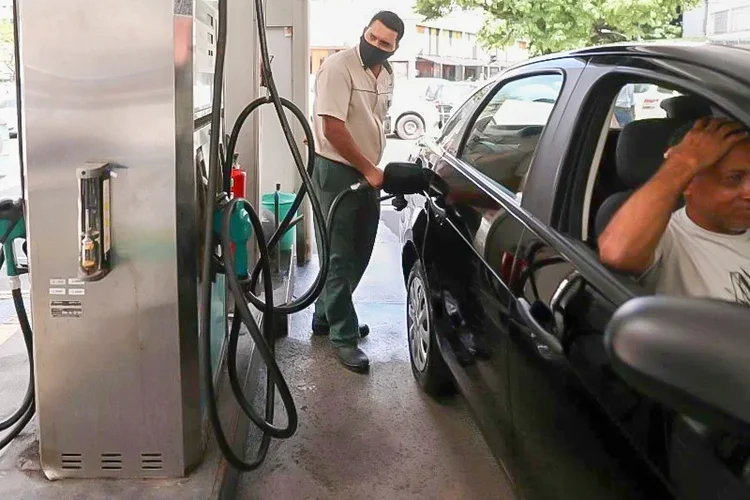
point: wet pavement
(370, 436)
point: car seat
(639, 154)
(686, 107)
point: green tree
(7, 49)
(558, 25)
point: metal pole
(276, 225)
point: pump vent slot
(111, 461)
(151, 461)
(71, 461)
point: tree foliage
(558, 25)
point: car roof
(731, 60)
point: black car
(584, 384)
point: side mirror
(692, 355)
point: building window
(741, 19)
(523, 45)
(434, 48)
(721, 22)
(420, 29)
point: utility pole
(705, 18)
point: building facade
(726, 21)
(443, 48)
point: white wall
(290, 50)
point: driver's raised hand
(706, 143)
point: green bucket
(285, 204)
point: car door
(580, 431)
(477, 234)
(568, 407)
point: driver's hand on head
(707, 143)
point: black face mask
(372, 55)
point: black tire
(427, 363)
(409, 127)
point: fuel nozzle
(402, 178)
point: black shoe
(323, 329)
(353, 359)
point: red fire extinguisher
(238, 181)
(237, 184)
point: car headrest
(641, 147)
(686, 107)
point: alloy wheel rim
(419, 324)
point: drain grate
(111, 461)
(71, 461)
(151, 461)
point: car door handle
(539, 334)
(440, 211)
(568, 289)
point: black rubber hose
(208, 247)
(319, 217)
(29, 396)
(263, 343)
(26, 412)
(308, 297)
(205, 290)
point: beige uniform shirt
(346, 90)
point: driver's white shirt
(691, 261)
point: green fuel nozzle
(12, 227)
(240, 231)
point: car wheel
(409, 127)
(427, 363)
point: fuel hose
(244, 295)
(404, 180)
(16, 422)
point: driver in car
(702, 249)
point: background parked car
(9, 114)
(648, 99)
(447, 96)
(5, 149)
(412, 116)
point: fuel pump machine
(132, 226)
(117, 102)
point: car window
(451, 134)
(503, 139)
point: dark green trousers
(353, 232)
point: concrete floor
(370, 436)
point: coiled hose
(242, 287)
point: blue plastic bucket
(285, 204)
